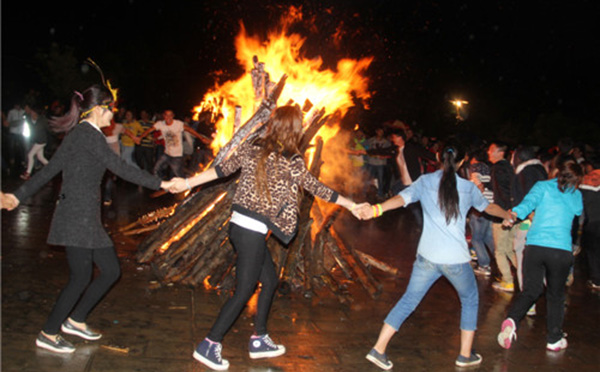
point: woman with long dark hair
(273, 173)
(83, 157)
(547, 255)
(442, 251)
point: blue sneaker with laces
(380, 360)
(209, 353)
(264, 347)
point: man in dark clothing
(502, 178)
(408, 159)
(590, 190)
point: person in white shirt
(172, 131)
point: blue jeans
(481, 236)
(424, 274)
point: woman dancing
(442, 251)
(272, 175)
(83, 157)
(547, 255)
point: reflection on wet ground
(156, 329)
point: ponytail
(81, 105)
(569, 174)
(447, 193)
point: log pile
(191, 246)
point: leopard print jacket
(285, 178)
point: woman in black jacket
(83, 158)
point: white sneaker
(558, 345)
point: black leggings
(254, 263)
(81, 267)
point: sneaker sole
(210, 364)
(556, 348)
(469, 364)
(378, 363)
(45, 346)
(77, 333)
(268, 354)
(507, 290)
(505, 337)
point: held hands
(178, 185)
(355, 208)
(8, 201)
(510, 219)
(366, 211)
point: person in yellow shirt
(131, 128)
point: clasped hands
(175, 185)
(510, 221)
(366, 211)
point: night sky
(514, 61)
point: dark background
(528, 68)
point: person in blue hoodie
(547, 254)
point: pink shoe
(508, 333)
(25, 176)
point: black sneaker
(87, 333)
(209, 353)
(474, 360)
(264, 347)
(59, 346)
(380, 360)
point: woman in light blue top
(442, 251)
(547, 255)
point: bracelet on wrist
(187, 184)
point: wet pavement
(147, 327)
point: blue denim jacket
(443, 243)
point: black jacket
(83, 157)
(525, 179)
(413, 154)
(503, 175)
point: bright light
(458, 103)
(26, 131)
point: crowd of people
(486, 208)
(157, 143)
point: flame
(308, 79)
(206, 283)
(184, 230)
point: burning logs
(191, 246)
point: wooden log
(222, 271)
(314, 124)
(364, 276)
(150, 217)
(333, 248)
(336, 288)
(251, 128)
(372, 261)
(237, 119)
(184, 213)
(315, 259)
(141, 230)
(214, 258)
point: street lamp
(459, 104)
